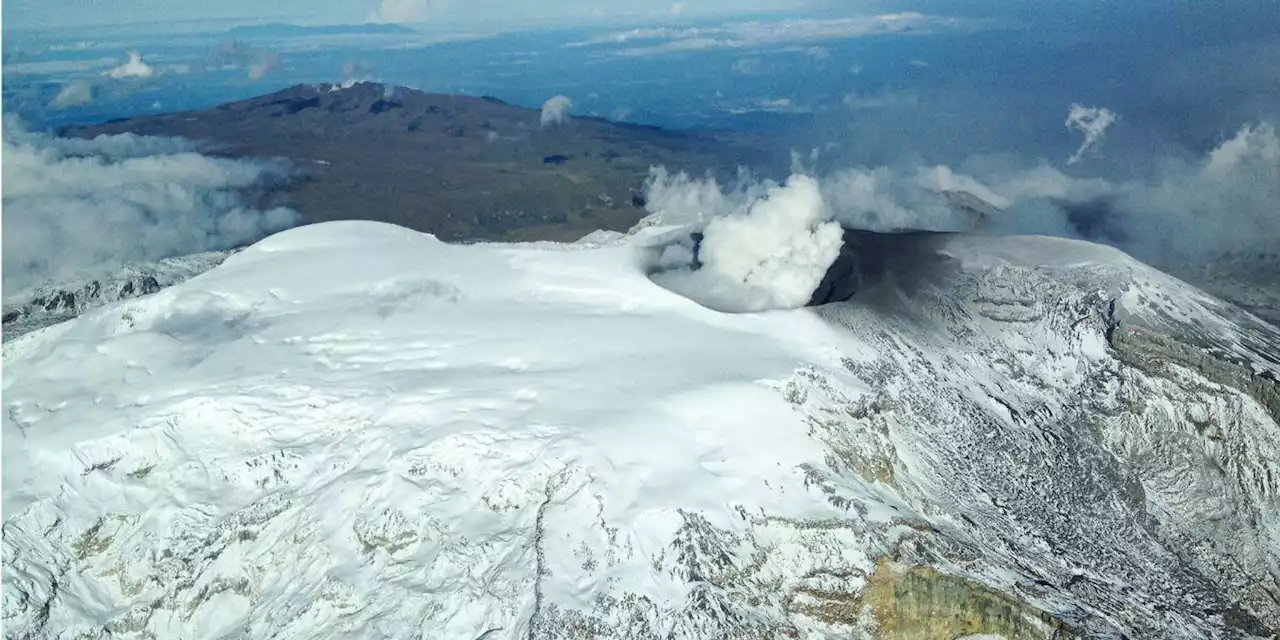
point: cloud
(555, 111)
(235, 54)
(769, 105)
(72, 94)
(76, 206)
(741, 35)
(1093, 123)
(748, 66)
(764, 247)
(356, 71)
(818, 53)
(134, 67)
(407, 11)
(258, 69)
(1224, 201)
(884, 99)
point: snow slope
(355, 430)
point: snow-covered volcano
(352, 430)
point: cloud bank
(743, 35)
(763, 247)
(1225, 201)
(555, 111)
(1093, 123)
(81, 206)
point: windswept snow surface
(351, 417)
(355, 430)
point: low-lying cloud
(82, 206)
(742, 35)
(1193, 209)
(555, 111)
(1093, 123)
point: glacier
(351, 429)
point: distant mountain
(284, 30)
(457, 166)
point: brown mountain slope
(457, 166)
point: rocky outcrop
(59, 301)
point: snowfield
(353, 430)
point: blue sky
(43, 14)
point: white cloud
(1093, 123)
(769, 105)
(72, 206)
(739, 35)
(1226, 201)
(676, 9)
(884, 99)
(74, 93)
(134, 67)
(407, 11)
(555, 111)
(766, 247)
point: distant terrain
(284, 30)
(457, 166)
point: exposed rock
(58, 301)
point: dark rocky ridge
(457, 166)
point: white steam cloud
(356, 71)
(555, 111)
(77, 206)
(1093, 123)
(134, 67)
(766, 246)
